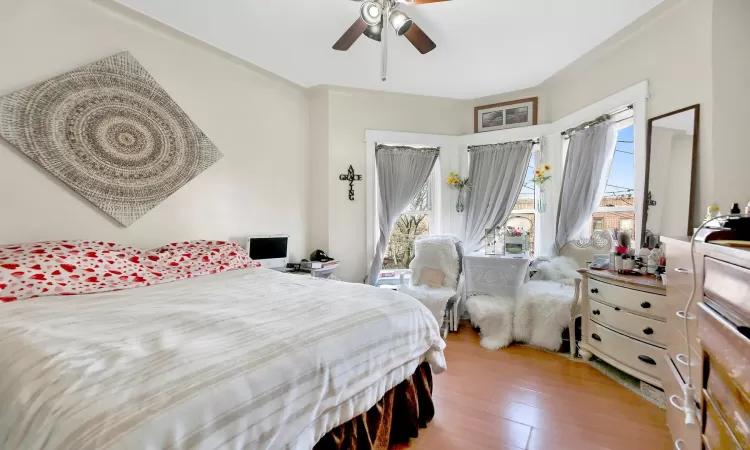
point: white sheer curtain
(496, 174)
(587, 165)
(402, 172)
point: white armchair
(436, 278)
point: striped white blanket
(244, 359)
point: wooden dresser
(623, 322)
(719, 345)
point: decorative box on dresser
(719, 344)
(623, 322)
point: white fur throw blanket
(542, 313)
(494, 317)
(561, 269)
(436, 252)
(435, 300)
(537, 316)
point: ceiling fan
(374, 16)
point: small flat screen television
(270, 251)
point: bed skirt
(396, 418)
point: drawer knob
(682, 270)
(596, 312)
(594, 291)
(681, 315)
(647, 360)
(682, 359)
(617, 308)
(678, 444)
(648, 330)
(645, 305)
(595, 337)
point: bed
(246, 358)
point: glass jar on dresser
(623, 322)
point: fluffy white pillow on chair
(433, 278)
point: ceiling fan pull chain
(384, 38)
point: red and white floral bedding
(81, 267)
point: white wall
(257, 120)
(671, 48)
(731, 90)
(351, 113)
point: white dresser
(623, 321)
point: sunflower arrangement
(542, 174)
(455, 180)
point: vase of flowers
(455, 181)
(541, 176)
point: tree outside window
(414, 222)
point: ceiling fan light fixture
(374, 32)
(371, 12)
(400, 22)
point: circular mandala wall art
(111, 133)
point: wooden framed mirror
(671, 153)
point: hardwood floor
(521, 398)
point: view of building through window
(617, 208)
(525, 205)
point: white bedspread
(244, 359)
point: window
(617, 208)
(415, 221)
(526, 204)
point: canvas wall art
(111, 133)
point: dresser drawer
(676, 301)
(679, 272)
(636, 301)
(728, 285)
(689, 438)
(731, 403)
(726, 347)
(643, 357)
(718, 435)
(650, 330)
(677, 349)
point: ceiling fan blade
(420, 40)
(421, 2)
(350, 37)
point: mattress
(243, 359)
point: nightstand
(326, 273)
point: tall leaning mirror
(670, 172)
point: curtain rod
(567, 133)
(533, 142)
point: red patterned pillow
(80, 267)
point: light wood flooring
(521, 398)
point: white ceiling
(485, 47)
